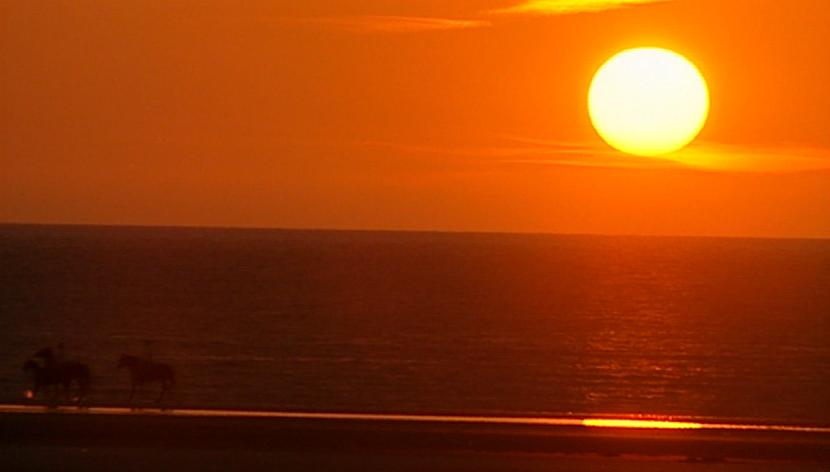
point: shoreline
(621, 422)
(314, 434)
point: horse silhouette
(144, 371)
(63, 374)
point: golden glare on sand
(648, 101)
(563, 421)
(639, 424)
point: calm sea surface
(429, 322)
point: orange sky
(427, 114)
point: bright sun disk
(648, 101)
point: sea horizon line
(449, 232)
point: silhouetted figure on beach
(53, 373)
(144, 371)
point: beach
(33, 438)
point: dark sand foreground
(116, 439)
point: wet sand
(112, 438)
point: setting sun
(648, 101)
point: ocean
(438, 323)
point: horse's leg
(77, 398)
(52, 401)
(83, 388)
(132, 394)
(163, 391)
(67, 391)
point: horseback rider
(142, 370)
(57, 372)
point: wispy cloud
(563, 7)
(391, 24)
(518, 150)
(702, 156)
(379, 24)
(716, 156)
(572, 153)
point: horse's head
(30, 366)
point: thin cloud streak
(578, 154)
(565, 7)
(390, 24)
(716, 156)
(517, 150)
(702, 156)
